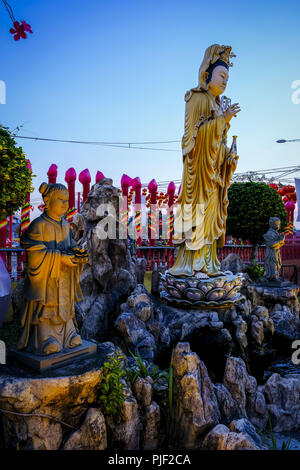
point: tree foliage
(250, 206)
(15, 176)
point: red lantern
(99, 176)
(85, 180)
(289, 188)
(52, 174)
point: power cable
(127, 145)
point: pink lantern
(70, 178)
(85, 180)
(25, 211)
(126, 181)
(99, 176)
(170, 212)
(152, 187)
(290, 207)
(137, 187)
(52, 173)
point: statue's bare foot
(217, 273)
(51, 346)
(75, 341)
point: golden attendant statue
(54, 267)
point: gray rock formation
(143, 390)
(286, 323)
(149, 411)
(248, 399)
(283, 401)
(65, 398)
(233, 263)
(140, 325)
(126, 427)
(243, 425)
(91, 435)
(196, 406)
(270, 296)
(110, 276)
(151, 428)
(221, 438)
(227, 404)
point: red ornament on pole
(52, 173)
(290, 207)
(99, 176)
(137, 187)
(70, 178)
(170, 212)
(3, 233)
(25, 211)
(126, 182)
(152, 187)
(85, 180)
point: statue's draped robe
(51, 288)
(200, 222)
(272, 263)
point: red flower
(19, 30)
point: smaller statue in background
(273, 240)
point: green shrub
(140, 369)
(250, 206)
(255, 271)
(111, 389)
(15, 177)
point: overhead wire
(127, 145)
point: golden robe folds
(200, 222)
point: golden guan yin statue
(208, 165)
(53, 269)
(195, 279)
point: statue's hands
(79, 249)
(231, 111)
(67, 260)
(81, 259)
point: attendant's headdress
(46, 189)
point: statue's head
(274, 223)
(214, 68)
(217, 77)
(56, 198)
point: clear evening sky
(118, 70)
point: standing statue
(273, 240)
(208, 165)
(54, 267)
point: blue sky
(118, 71)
